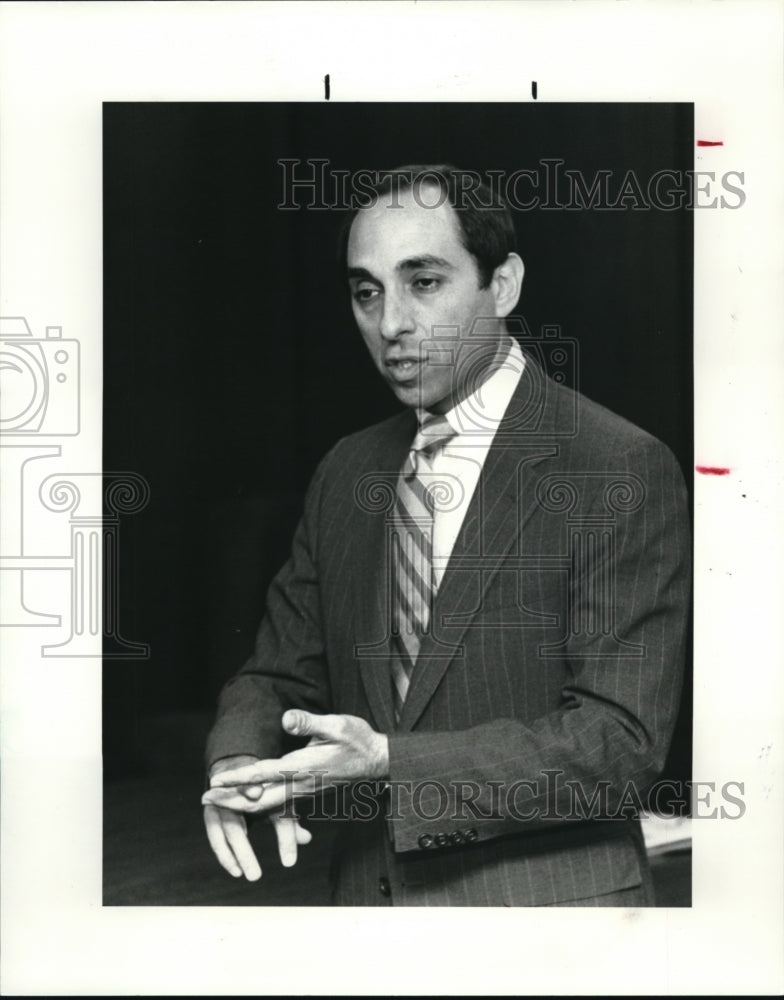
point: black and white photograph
(389, 398)
(523, 322)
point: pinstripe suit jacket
(544, 699)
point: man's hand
(341, 748)
(227, 829)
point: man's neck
(466, 389)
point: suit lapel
(492, 525)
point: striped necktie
(412, 538)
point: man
(481, 627)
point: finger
(250, 774)
(237, 836)
(294, 765)
(278, 797)
(251, 791)
(290, 834)
(297, 722)
(272, 797)
(303, 836)
(286, 832)
(218, 843)
(232, 798)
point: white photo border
(58, 63)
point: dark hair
(486, 226)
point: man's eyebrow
(425, 260)
(409, 264)
(360, 272)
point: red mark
(708, 142)
(712, 470)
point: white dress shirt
(460, 461)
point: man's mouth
(403, 369)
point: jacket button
(425, 841)
(442, 840)
(384, 887)
(471, 835)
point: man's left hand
(341, 748)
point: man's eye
(427, 284)
(365, 295)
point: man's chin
(415, 399)
(415, 395)
(408, 395)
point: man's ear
(506, 283)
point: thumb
(300, 723)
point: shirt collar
(484, 409)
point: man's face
(410, 273)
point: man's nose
(396, 318)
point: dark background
(231, 361)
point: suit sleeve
(608, 740)
(287, 668)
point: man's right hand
(227, 830)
